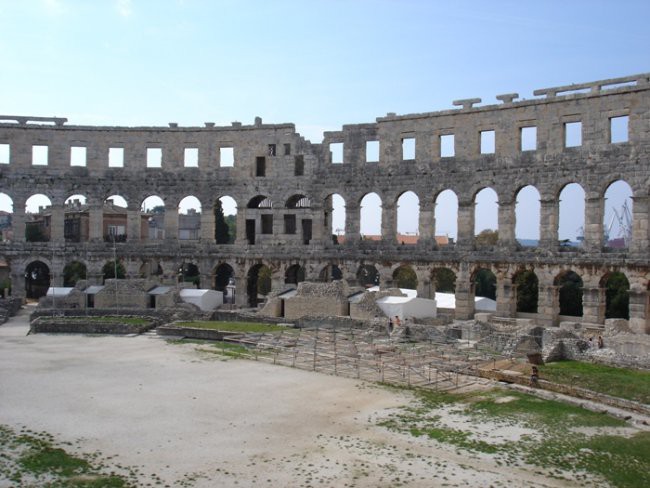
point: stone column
(507, 225)
(171, 223)
(593, 305)
(352, 224)
(240, 238)
(639, 301)
(466, 224)
(207, 226)
(389, 222)
(506, 298)
(426, 288)
(18, 222)
(640, 226)
(133, 225)
(464, 294)
(548, 305)
(318, 237)
(17, 279)
(95, 278)
(594, 208)
(427, 223)
(549, 221)
(241, 291)
(57, 223)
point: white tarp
(206, 300)
(407, 306)
(59, 291)
(448, 300)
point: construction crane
(624, 219)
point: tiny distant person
(390, 325)
(601, 343)
(397, 321)
(591, 342)
(534, 377)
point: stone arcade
(283, 187)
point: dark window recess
(299, 166)
(290, 224)
(271, 150)
(267, 224)
(250, 231)
(306, 231)
(260, 166)
(287, 149)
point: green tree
(487, 237)
(527, 291)
(231, 220)
(617, 297)
(445, 280)
(264, 280)
(485, 284)
(34, 233)
(109, 270)
(570, 294)
(221, 227)
(405, 277)
(73, 272)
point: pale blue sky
(318, 64)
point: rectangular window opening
(290, 224)
(447, 146)
(408, 148)
(487, 142)
(572, 134)
(115, 157)
(191, 157)
(372, 151)
(271, 150)
(528, 138)
(287, 149)
(267, 224)
(618, 129)
(260, 166)
(77, 156)
(154, 157)
(4, 153)
(39, 155)
(226, 157)
(299, 168)
(336, 152)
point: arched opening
(189, 273)
(617, 224)
(298, 201)
(6, 217)
(571, 226)
(331, 272)
(405, 277)
(446, 215)
(222, 276)
(485, 284)
(115, 219)
(527, 215)
(265, 225)
(153, 207)
(367, 276)
(527, 291)
(298, 223)
(225, 220)
(38, 218)
(617, 296)
(73, 272)
(258, 284)
(37, 279)
(486, 217)
(294, 275)
(370, 215)
(444, 279)
(334, 218)
(113, 269)
(189, 218)
(408, 218)
(570, 293)
(260, 201)
(75, 223)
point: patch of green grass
(230, 350)
(241, 327)
(619, 382)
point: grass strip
(241, 327)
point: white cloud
(124, 7)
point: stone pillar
(548, 305)
(507, 219)
(57, 223)
(17, 279)
(240, 238)
(352, 224)
(593, 305)
(640, 226)
(425, 288)
(464, 294)
(18, 223)
(639, 301)
(465, 224)
(95, 278)
(133, 225)
(594, 208)
(549, 221)
(171, 223)
(318, 236)
(506, 298)
(207, 226)
(96, 223)
(241, 291)
(389, 222)
(427, 223)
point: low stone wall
(191, 333)
(9, 307)
(309, 306)
(156, 316)
(335, 322)
(59, 325)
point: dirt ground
(192, 419)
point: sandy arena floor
(195, 420)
